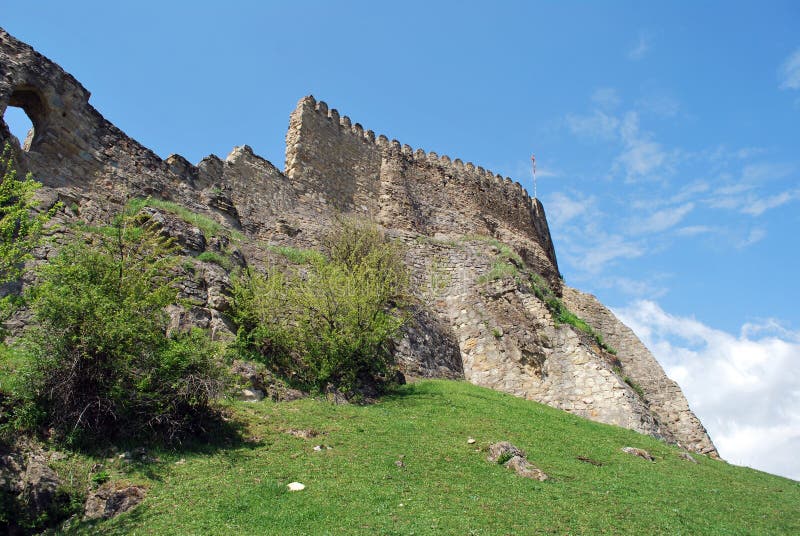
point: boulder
(526, 469)
(633, 451)
(252, 395)
(109, 501)
(503, 449)
(39, 485)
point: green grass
(209, 226)
(12, 362)
(506, 262)
(216, 258)
(446, 485)
(297, 255)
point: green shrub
(20, 227)
(628, 380)
(635, 386)
(504, 458)
(333, 322)
(102, 365)
(101, 477)
(506, 263)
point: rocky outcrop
(506, 454)
(475, 242)
(112, 499)
(31, 492)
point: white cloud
(756, 207)
(694, 230)
(659, 104)
(754, 236)
(598, 125)
(639, 50)
(661, 220)
(562, 208)
(641, 156)
(745, 389)
(790, 71)
(606, 97)
(547, 173)
(766, 171)
(634, 287)
(610, 248)
(690, 191)
(769, 327)
(746, 193)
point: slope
(445, 486)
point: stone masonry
(466, 323)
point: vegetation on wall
(561, 314)
(209, 226)
(507, 263)
(330, 320)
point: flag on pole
(533, 162)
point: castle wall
(664, 397)
(331, 160)
(74, 145)
(508, 340)
(496, 334)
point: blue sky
(667, 142)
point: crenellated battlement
(455, 166)
(333, 160)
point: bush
(20, 227)
(332, 321)
(102, 364)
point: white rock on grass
(252, 395)
(296, 486)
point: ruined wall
(331, 160)
(74, 148)
(664, 397)
(508, 340)
(496, 334)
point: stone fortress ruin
(458, 222)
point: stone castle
(457, 220)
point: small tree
(103, 366)
(332, 322)
(20, 226)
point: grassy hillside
(446, 485)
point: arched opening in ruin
(19, 125)
(25, 116)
